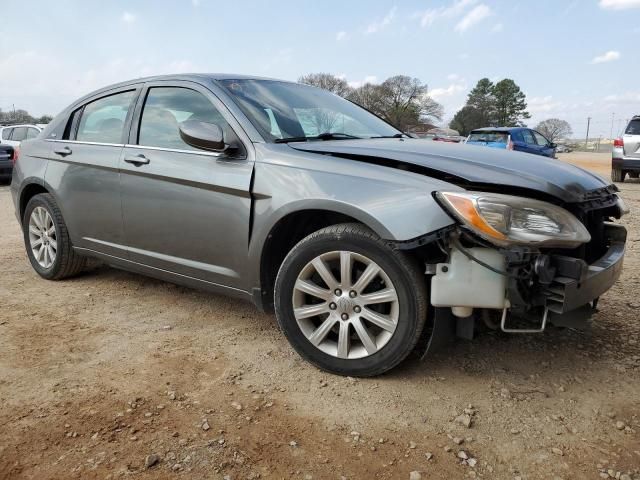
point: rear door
(186, 210)
(631, 139)
(83, 170)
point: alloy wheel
(345, 304)
(42, 237)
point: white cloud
(475, 16)
(196, 3)
(128, 17)
(365, 80)
(543, 105)
(453, 77)
(623, 97)
(341, 36)
(375, 27)
(609, 56)
(619, 4)
(456, 9)
(497, 28)
(451, 90)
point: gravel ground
(113, 374)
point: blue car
(521, 139)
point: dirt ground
(106, 372)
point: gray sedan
(368, 244)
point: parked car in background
(625, 156)
(7, 159)
(364, 241)
(448, 138)
(14, 134)
(563, 149)
(521, 139)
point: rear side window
(19, 134)
(634, 127)
(6, 133)
(166, 107)
(528, 137)
(103, 120)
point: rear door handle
(137, 160)
(63, 152)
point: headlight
(507, 220)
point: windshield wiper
(322, 136)
(397, 135)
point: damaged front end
(518, 263)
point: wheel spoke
(42, 218)
(52, 254)
(310, 310)
(345, 269)
(53, 244)
(365, 279)
(312, 289)
(325, 273)
(364, 336)
(343, 340)
(36, 242)
(40, 253)
(45, 259)
(34, 230)
(35, 216)
(381, 296)
(323, 330)
(383, 321)
(51, 230)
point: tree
(554, 129)
(466, 119)
(405, 101)
(483, 101)
(328, 82)
(368, 96)
(43, 119)
(510, 103)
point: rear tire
(617, 175)
(352, 343)
(60, 260)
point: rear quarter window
(634, 127)
(6, 133)
(489, 137)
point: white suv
(625, 156)
(14, 134)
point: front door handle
(63, 152)
(137, 160)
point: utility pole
(586, 140)
(613, 114)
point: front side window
(540, 139)
(6, 133)
(103, 120)
(19, 134)
(282, 110)
(166, 108)
(528, 137)
(32, 133)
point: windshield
(283, 110)
(489, 137)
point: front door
(185, 210)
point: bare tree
(327, 81)
(405, 101)
(554, 129)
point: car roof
(22, 125)
(499, 129)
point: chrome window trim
(80, 142)
(176, 150)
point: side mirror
(552, 145)
(207, 136)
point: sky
(573, 59)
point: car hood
(469, 166)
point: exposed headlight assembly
(507, 220)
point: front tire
(617, 175)
(349, 303)
(47, 240)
